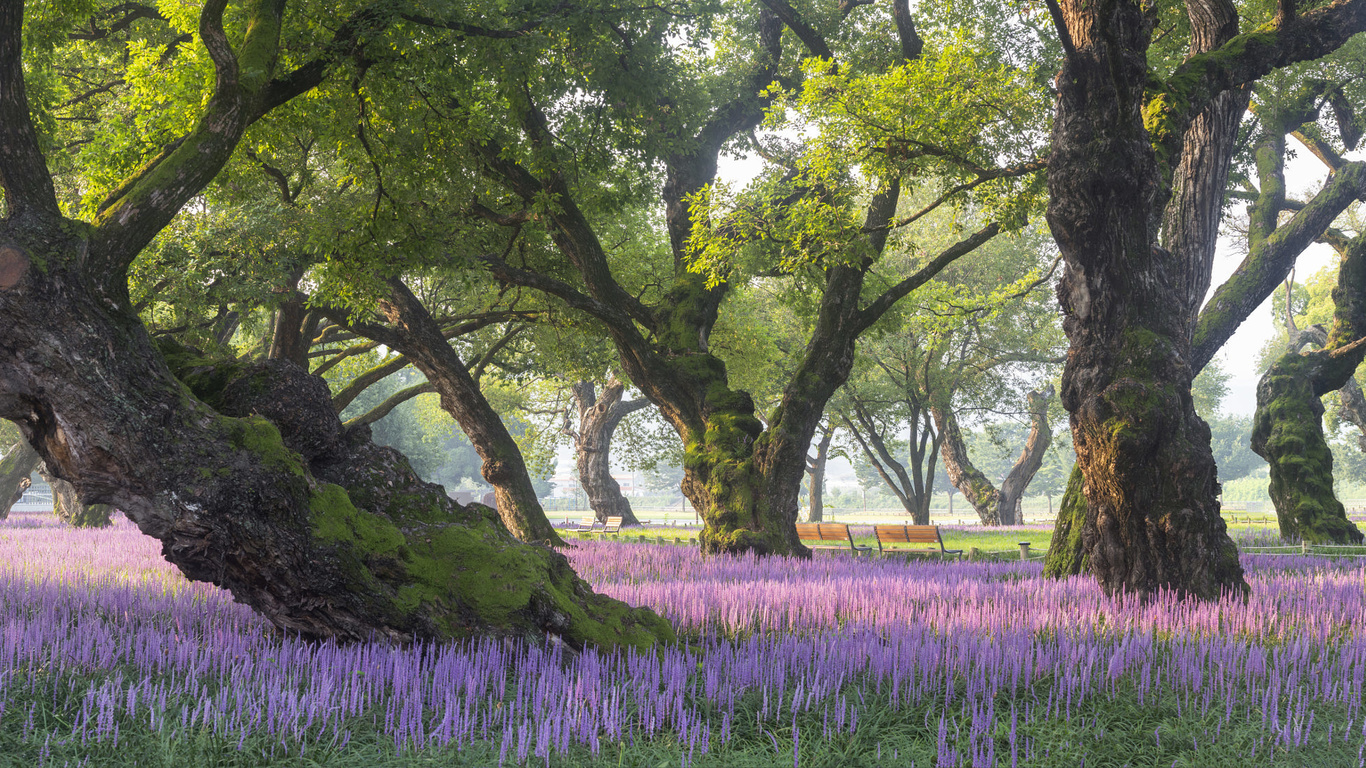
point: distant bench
(830, 532)
(911, 534)
(591, 524)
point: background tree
(801, 218)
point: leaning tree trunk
(244, 472)
(965, 475)
(16, 469)
(412, 331)
(1152, 517)
(598, 420)
(815, 471)
(996, 506)
(1030, 459)
(1288, 425)
(247, 477)
(67, 506)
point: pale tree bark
(1152, 519)
(243, 471)
(815, 472)
(997, 506)
(598, 420)
(1353, 405)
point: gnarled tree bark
(243, 472)
(997, 506)
(1288, 425)
(1129, 404)
(598, 420)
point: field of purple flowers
(109, 657)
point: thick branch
(1266, 266)
(23, 171)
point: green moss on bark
(1288, 432)
(1066, 555)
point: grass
(1163, 731)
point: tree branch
(1267, 264)
(23, 171)
(393, 401)
(880, 305)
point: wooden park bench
(613, 525)
(830, 532)
(587, 524)
(911, 534)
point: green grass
(1110, 729)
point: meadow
(109, 657)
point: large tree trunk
(744, 479)
(1213, 88)
(1288, 425)
(1153, 517)
(815, 471)
(250, 482)
(598, 420)
(243, 472)
(16, 469)
(411, 330)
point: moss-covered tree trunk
(16, 471)
(243, 472)
(598, 420)
(1288, 425)
(410, 329)
(1192, 121)
(1066, 555)
(744, 478)
(1152, 518)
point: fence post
(1024, 550)
(1304, 547)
